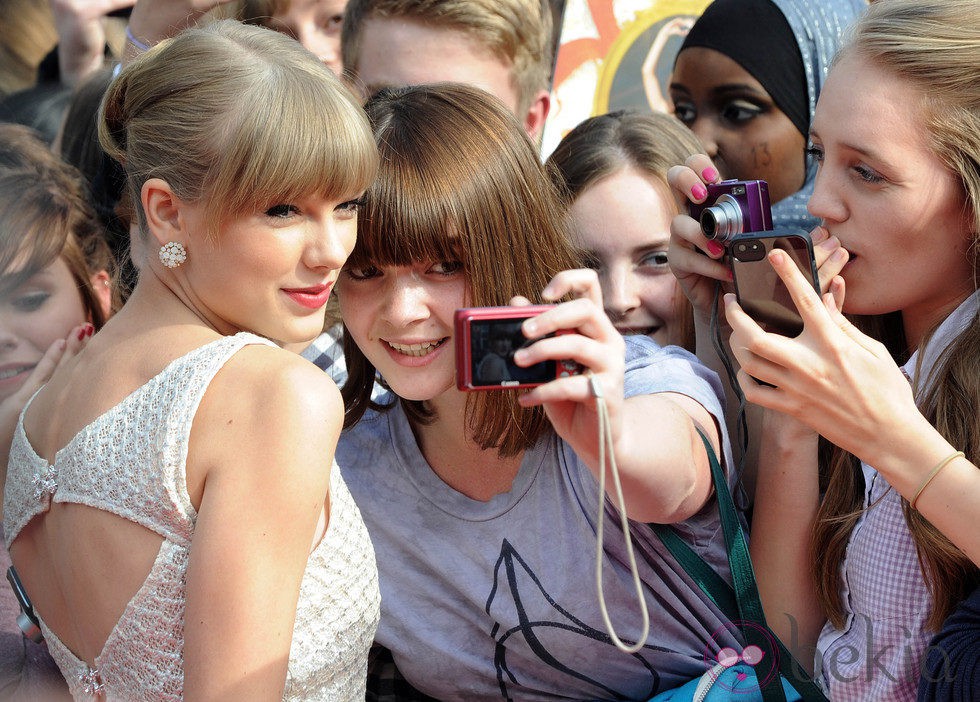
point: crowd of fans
(235, 236)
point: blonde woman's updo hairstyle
(238, 117)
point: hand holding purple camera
(734, 207)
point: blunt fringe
(239, 117)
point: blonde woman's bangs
(305, 139)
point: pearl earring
(172, 254)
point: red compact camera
(486, 339)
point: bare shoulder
(266, 382)
(266, 410)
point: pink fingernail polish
(715, 249)
(709, 174)
(699, 191)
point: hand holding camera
(568, 347)
(715, 244)
(734, 207)
(487, 339)
(735, 225)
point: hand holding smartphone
(737, 214)
(759, 289)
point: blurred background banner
(614, 54)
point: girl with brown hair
(483, 506)
(611, 173)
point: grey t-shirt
(496, 600)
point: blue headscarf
(818, 26)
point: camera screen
(493, 342)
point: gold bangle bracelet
(933, 473)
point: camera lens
(722, 220)
(708, 223)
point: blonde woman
(172, 505)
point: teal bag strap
(741, 602)
(712, 584)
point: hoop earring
(172, 254)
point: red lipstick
(312, 298)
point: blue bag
(725, 684)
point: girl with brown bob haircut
(482, 505)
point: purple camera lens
(722, 220)
(734, 207)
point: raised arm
(662, 463)
(699, 265)
(81, 35)
(845, 386)
(787, 497)
(60, 352)
(261, 450)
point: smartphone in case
(760, 292)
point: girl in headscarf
(746, 82)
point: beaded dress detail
(130, 461)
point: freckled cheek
(355, 309)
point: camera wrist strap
(606, 450)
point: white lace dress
(130, 462)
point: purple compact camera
(734, 207)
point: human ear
(536, 115)
(102, 285)
(162, 208)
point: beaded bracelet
(134, 41)
(933, 473)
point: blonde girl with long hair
(171, 504)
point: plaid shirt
(878, 654)
(327, 353)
